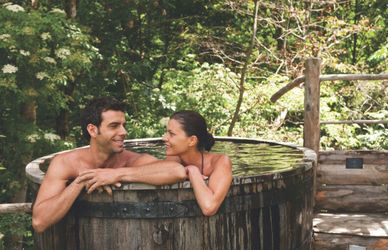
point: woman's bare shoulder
(219, 162)
(219, 158)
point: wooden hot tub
(266, 211)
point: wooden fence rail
(334, 77)
(15, 208)
(356, 122)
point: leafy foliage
(162, 56)
(17, 231)
(42, 53)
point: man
(106, 162)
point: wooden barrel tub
(266, 211)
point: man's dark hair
(93, 110)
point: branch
(268, 50)
(287, 88)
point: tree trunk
(28, 111)
(28, 114)
(279, 39)
(71, 8)
(62, 120)
(356, 17)
(243, 73)
(34, 4)
(62, 123)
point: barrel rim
(35, 174)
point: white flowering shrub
(13, 7)
(41, 52)
(41, 135)
(9, 69)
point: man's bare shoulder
(128, 153)
(136, 159)
(68, 164)
(71, 157)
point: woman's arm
(210, 197)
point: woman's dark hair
(93, 110)
(194, 124)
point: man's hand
(99, 179)
(107, 188)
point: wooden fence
(312, 80)
(351, 201)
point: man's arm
(54, 198)
(146, 169)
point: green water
(248, 159)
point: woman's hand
(194, 170)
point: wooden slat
(337, 174)
(371, 225)
(323, 241)
(339, 157)
(353, 77)
(1, 241)
(352, 198)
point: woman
(186, 141)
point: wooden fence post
(311, 129)
(1, 241)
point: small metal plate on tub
(354, 163)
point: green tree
(42, 53)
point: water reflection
(248, 158)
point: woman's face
(176, 140)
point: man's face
(111, 132)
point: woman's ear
(92, 129)
(193, 141)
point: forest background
(224, 59)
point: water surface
(248, 159)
